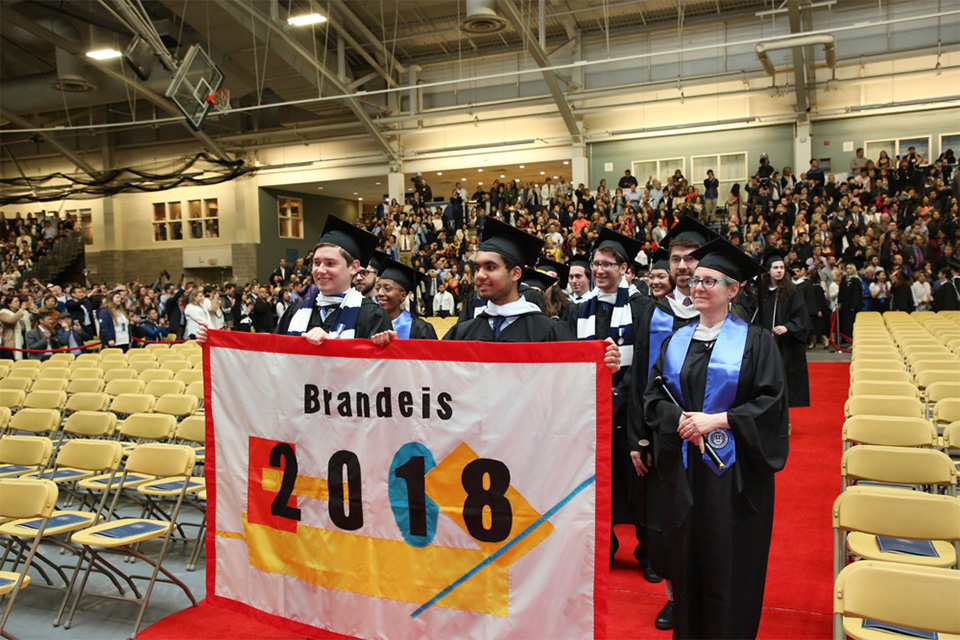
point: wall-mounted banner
(423, 490)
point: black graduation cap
(954, 264)
(627, 247)
(660, 259)
(561, 270)
(519, 246)
(688, 229)
(537, 279)
(797, 265)
(377, 261)
(579, 260)
(771, 256)
(405, 276)
(726, 258)
(358, 242)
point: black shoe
(664, 619)
(650, 575)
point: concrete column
(396, 185)
(802, 147)
(578, 166)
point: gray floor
(101, 619)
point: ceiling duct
(70, 76)
(482, 18)
(827, 40)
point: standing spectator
(443, 302)
(15, 318)
(710, 193)
(857, 163)
(282, 272)
(114, 323)
(262, 312)
(43, 336)
(195, 312)
(70, 334)
(627, 181)
(153, 328)
(921, 291)
(849, 302)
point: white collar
(704, 333)
(516, 308)
(681, 311)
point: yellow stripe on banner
(236, 535)
(379, 568)
(444, 485)
(305, 486)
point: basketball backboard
(196, 79)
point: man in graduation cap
(727, 386)
(654, 323)
(579, 277)
(337, 310)
(366, 278)
(473, 305)
(396, 281)
(609, 312)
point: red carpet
(798, 595)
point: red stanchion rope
(84, 346)
(161, 341)
(833, 320)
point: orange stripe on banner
(305, 487)
(236, 535)
(444, 485)
(379, 568)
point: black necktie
(497, 324)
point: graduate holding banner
(727, 378)
(397, 280)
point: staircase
(64, 254)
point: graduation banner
(426, 489)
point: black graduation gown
(850, 302)
(806, 292)
(638, 429)
(420, 329)
(947, 297)
(717, 528)
(791, 313)
(372, 320)
(531, 327)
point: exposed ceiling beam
(346, 35)
(540, 56)
(64, 150)
(799, 70)
(162, 102)
(303, 61)
(379, 47)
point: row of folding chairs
(35, 369)
(161, 478)
(95, 379)
(61, 398)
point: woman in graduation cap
(396, 282)
(661, 282)
(782, 310)
(727, 386)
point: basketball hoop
(219, 100)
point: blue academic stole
(723, 373)
(661, 326)
(403, 324)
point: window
(83, 222)
(729, 168)
(204, 218)
(291, 217)
(897, 147)
(660, 170)
(950, 141)
(167, 221)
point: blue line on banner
(506, 547)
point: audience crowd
(883, 236)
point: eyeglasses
(602, 266)
(685, 259)
(385, 288)
(708, 283)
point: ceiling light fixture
(566, 162)
(522, 166)
(308, 19)
(104, 54)
(439, 173)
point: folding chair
(195, 360)
(137, 429)
(25, 364)
(895, 594)
(4, 419)
(196, 389)
(175, 365)
(119, 374)
(179, 405)
(86, 360)
(928, 376)
(45, 400)
(877, 388)
(141, 366)
(35, 421)
(109, 365)
(112, 352)
(883, 406)
(5, 366)
(189, 376)
(898, 466)
(889, 431)
(946, 411)
(24, 499)
(150, 375)
(117, 387)
(60, 372)
(943, 390)
(50, 384)
(66, 358)
(87, 402)
(141, 355)
(157, 348)
(16, 382)
(950, 441)
(868, 518)
(875, 353)
(126, 404)
(12, 398)
(168, 356)
(22, 455)
(120, 536)
(82, 373)
(85, 385)
(159, 388)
